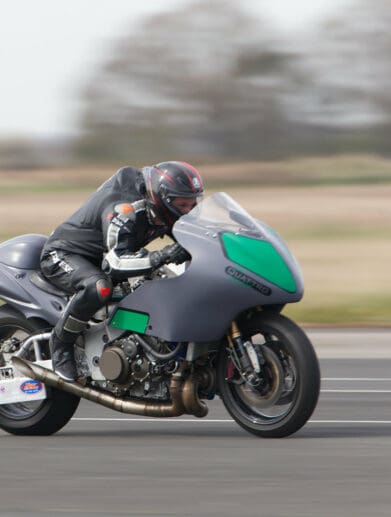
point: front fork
(247, 360)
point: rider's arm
(119, 232)
(122, 257)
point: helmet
(167, 181)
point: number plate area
(16, 388)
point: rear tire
(42, 417)
(291, 395)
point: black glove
(172, 253)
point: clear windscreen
(221, 212)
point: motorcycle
(166, 343)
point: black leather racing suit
(112, 224)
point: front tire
(43, 417)
(290, 393)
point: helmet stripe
(190, 181)
(194, 170)
(160, 171)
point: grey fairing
(19, 258)
(200, 304)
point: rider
(105, 240)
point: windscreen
(221, 212)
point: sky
(49, 48)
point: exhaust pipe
(174, 408)
(193, 405)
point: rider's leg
(91, 289)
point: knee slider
(104, 288)
(95, 293)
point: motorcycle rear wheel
(291, 393)
(42, 417)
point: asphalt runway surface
(108, 464)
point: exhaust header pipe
(179, 404)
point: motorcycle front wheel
(287, 396)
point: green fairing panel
(261, 258)
(130, 320)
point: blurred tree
(210, 82)
(349, 94)
(206, 81)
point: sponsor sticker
(248, 280)
(31, 386)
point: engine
(131, 370)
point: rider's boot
(63, 359)
(62, 341)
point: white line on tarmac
(355, 391)
(349, 422)
(220, 421)
(353, 379)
